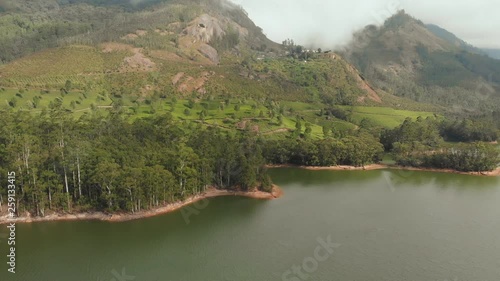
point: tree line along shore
(104, 162)
(170, 207)
(372, 167)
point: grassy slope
(293, 85)
(95, 76)
(227, 118)
(52, 67)
(386, 117)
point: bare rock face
(209, 52)
(177, 78)
(205, 28)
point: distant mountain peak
(401, 33)
(400, 19)
(424, 62)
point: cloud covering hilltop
(326, 23)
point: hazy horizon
(328, 24)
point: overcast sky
(331, 22)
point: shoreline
(373, 167)
(213, 192)
(123, 217)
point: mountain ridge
(493, 53)
(452, 38)
(407, 58)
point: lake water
(382, 225)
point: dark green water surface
(389, 225)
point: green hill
(93, 55)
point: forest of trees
(109, 164)
(467, 130)
(103, 161)
(356, 150)
(421, 143)
(464, 157)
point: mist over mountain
(494, 53)
(328, 24)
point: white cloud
(328, 23)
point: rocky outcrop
(209, 52)
(205, 28)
